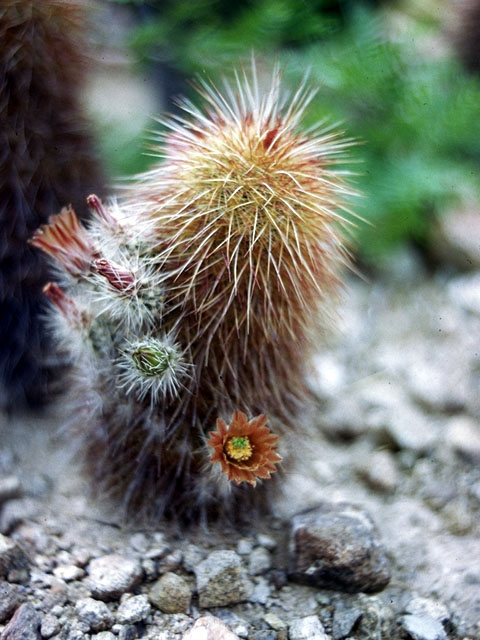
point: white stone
(308, 628)
(209, 628)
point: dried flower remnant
(64, 303)
(246, 450)
(66, 240)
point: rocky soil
(390, 546)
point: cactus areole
(200, 294)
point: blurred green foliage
(415, 116)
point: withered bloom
(63, 302)
(246, 450)
(66, 240)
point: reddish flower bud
(95, 204)
(118, 277)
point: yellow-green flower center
(238, 448)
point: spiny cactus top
(197, 296)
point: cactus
(46, 161)
(197, 297)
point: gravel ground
(392, 485)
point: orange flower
(66, 240)
(246, 450)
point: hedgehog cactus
(46, 161)
(197, 297)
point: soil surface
(397, 412)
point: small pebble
(49, 626)
(24, 625)
(133, 609)
(104, 635)
(14, 564)
(112, 575)
(221, 580)
(275, 622)
(10, 598)
(426, 606)
(261, 591)
(171, 562)
(244, 547)
(171, 594)
(463, 435)
(344, 619)
(9, 488)
(192, 555)
(68, 573)
(266, 541)
(336, 545)
(94, 613)
(308, 628)
(209, 628)
(422, 627)
(379, 471)
(149, 569)
(259, 561)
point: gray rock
(463, 436)
(10, 599)
(263, 634)
(261, 591)
(128, 632)
(426, 606)
(170, 562)
(49, 626)
(149, 569)
(104, 635)
(112, 575)
(209, 628)
(422, 627)
(379, 471)
(9, 488)
(68, 573)
(95, 614)
(337, 546)
(404, 427)
(266, 541)
(464, 292)
(15, 512)
(275, 622)
(170, 594)
(244, 547)
(259, 561)
(25, 625)
(139, 542)
(344, 619)
(221, 580)
(133, 609)
(454, 238)
(308, 628)
(192, 555)
(14, 564)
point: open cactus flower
(246, 449)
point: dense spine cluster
(46, 162)
(199, 295)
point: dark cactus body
(46, 162)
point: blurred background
(399, 76)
